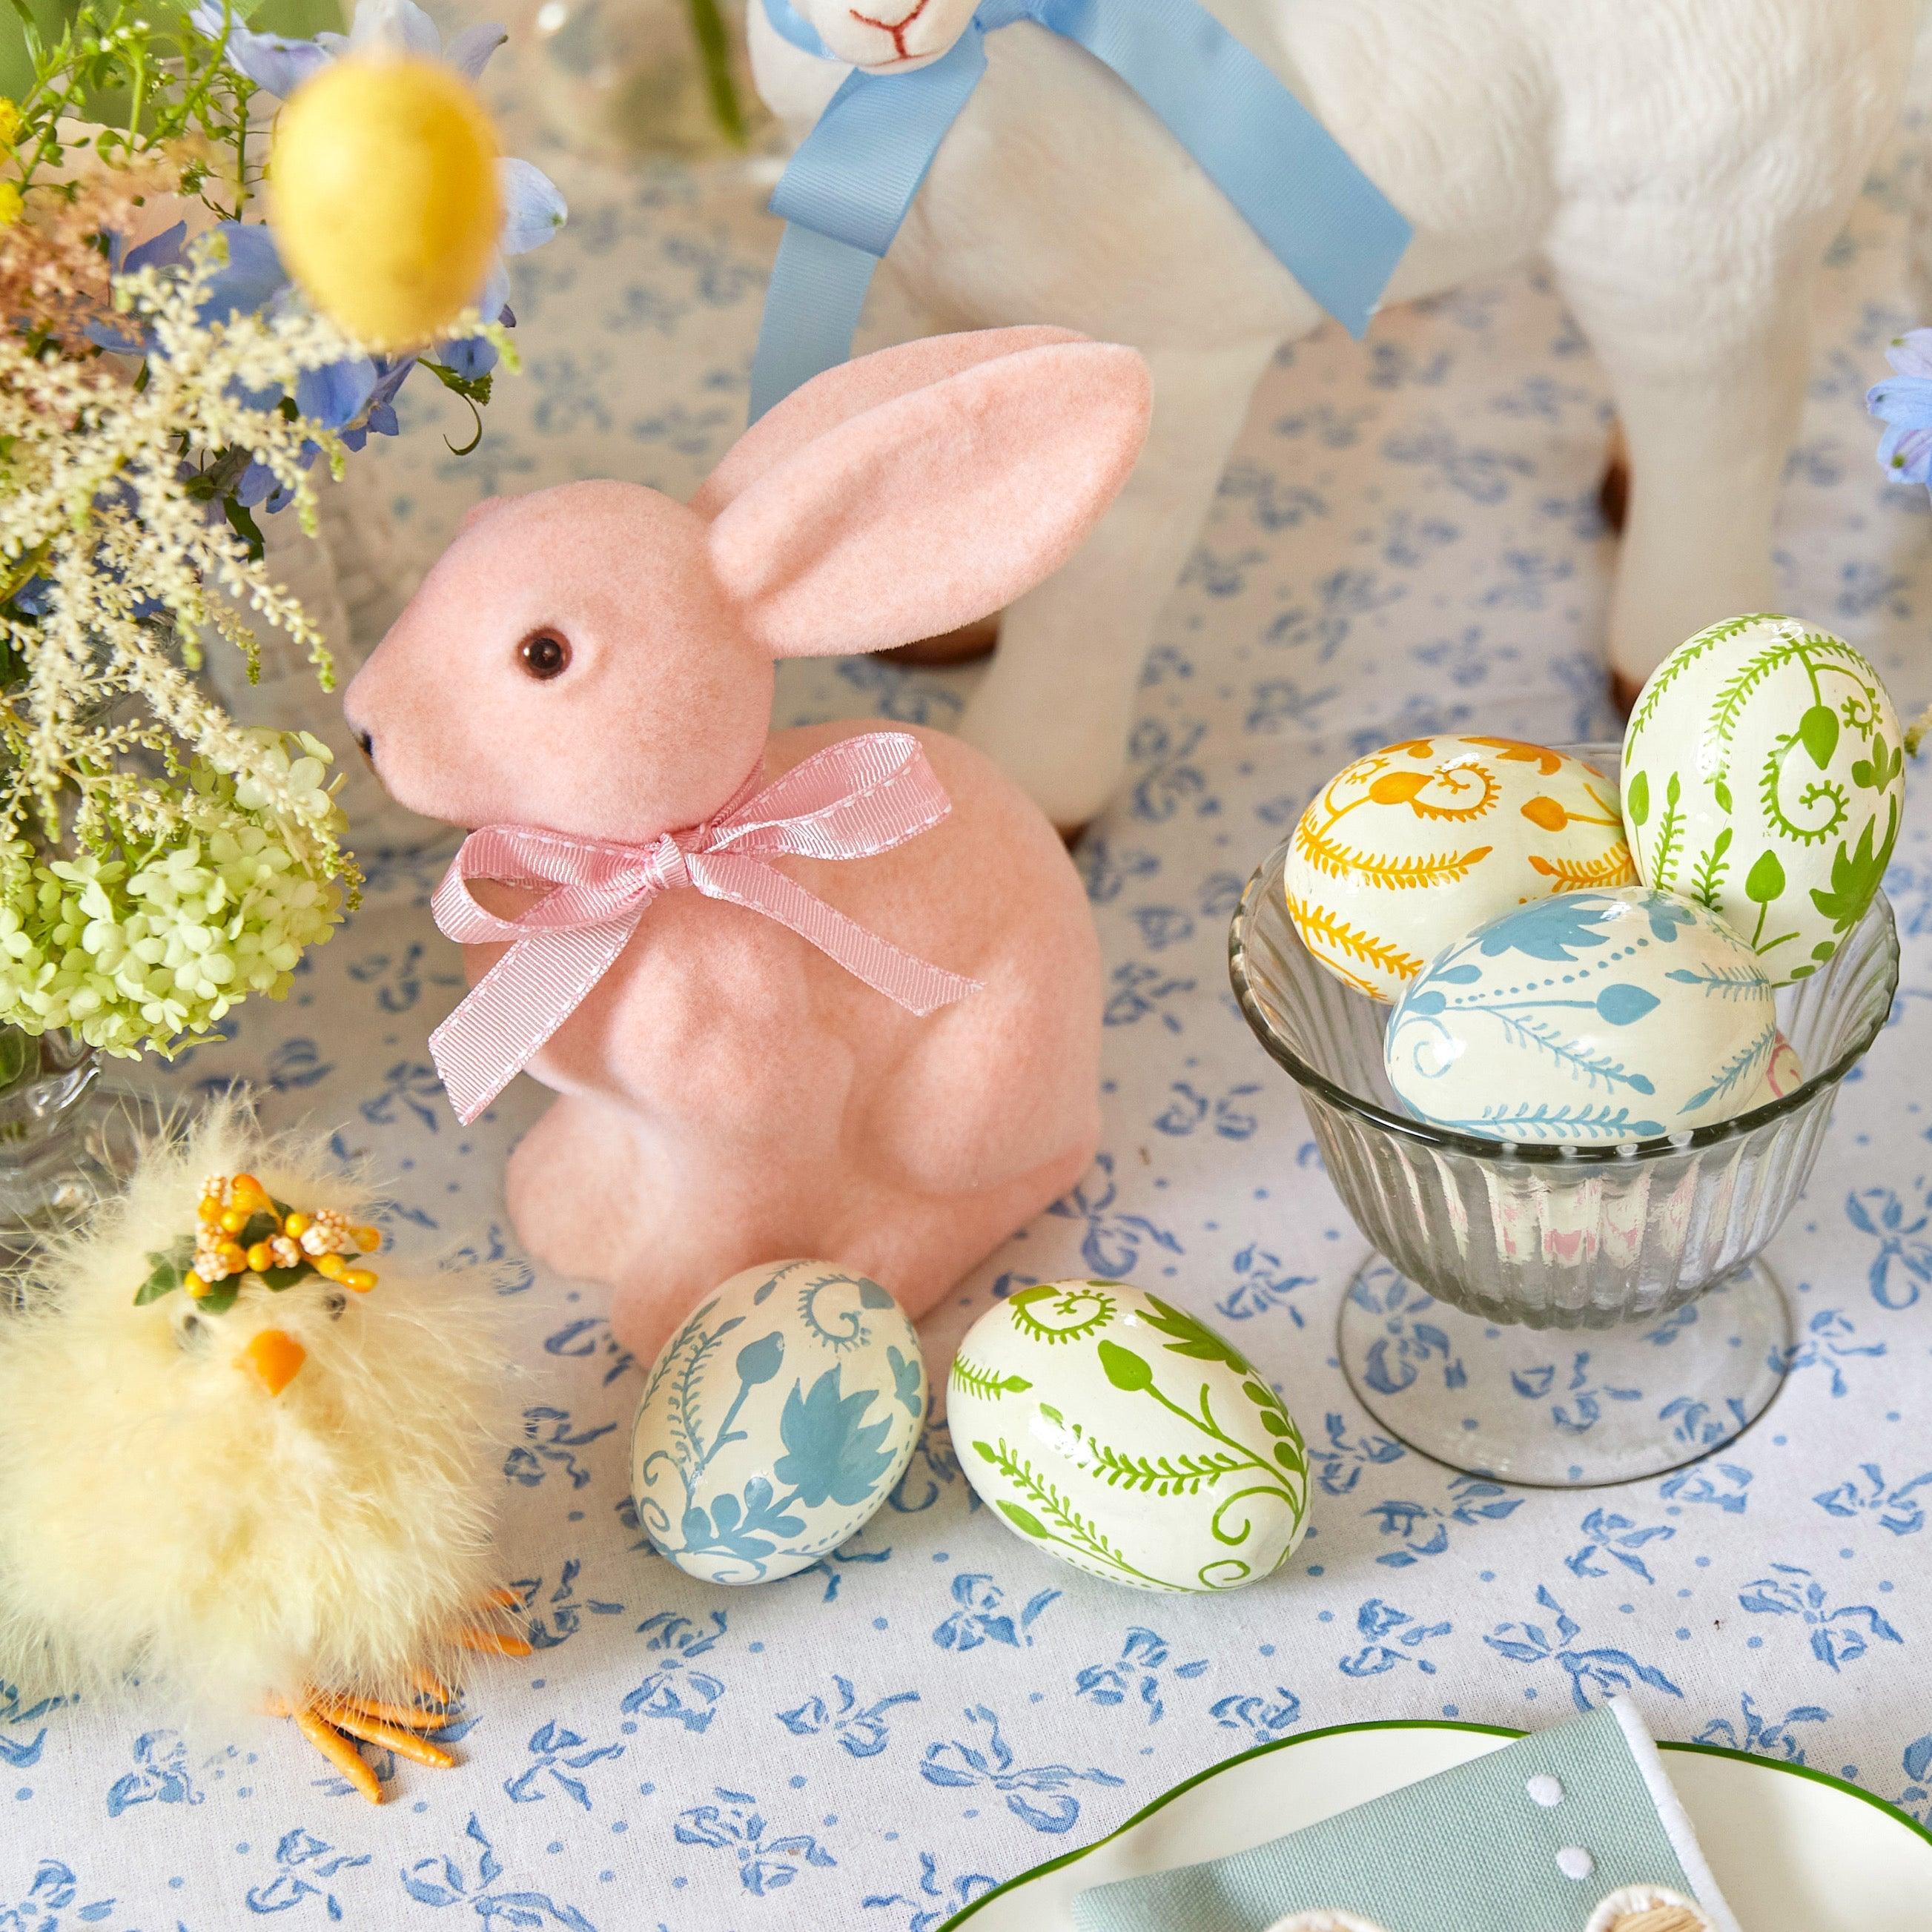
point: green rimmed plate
(1794, 1849)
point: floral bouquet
(1903, 403)
(162, 387)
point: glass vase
(1559, 1316)
(353, 576)
(68, 1138)
(631, 79)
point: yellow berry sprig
(241, 1229)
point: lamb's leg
(1613, 491)
(1707, 349)
(963, 646)
(1057, 701)
(896, 314)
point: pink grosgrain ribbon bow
(860, 797)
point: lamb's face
(570, 662)
(889, 36)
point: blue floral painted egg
(776, 1421)
(1593, 1018)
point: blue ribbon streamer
(850, 185)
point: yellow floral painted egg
(384, 200)
(1415, 845)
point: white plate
(1794, 1850)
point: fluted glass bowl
(1473, 1234)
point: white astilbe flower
(157, 861)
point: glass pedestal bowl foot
(1556, 1408)
(1568, 1315)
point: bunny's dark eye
(191, 1331)
(544, 655)
(334, 1302)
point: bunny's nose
(365, 740)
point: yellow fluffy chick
(251, 1496)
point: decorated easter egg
(1595, 1017)
(1114, 1431)
(1764, 776)
(384, 197)
(1420, 842)
(776, 1421)
(1785, 1075)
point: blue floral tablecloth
(1408, 540)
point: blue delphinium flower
(355, 397)
(533, 210)
(279, 65)
(1904, 404)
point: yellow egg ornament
(1406, 851)
(385, 201)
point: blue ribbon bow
(850, 184)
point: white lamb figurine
(1682, 164)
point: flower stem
(714, 49)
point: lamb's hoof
(967, 645)
(1613, 492)
(1613, 495)
(1624, 692)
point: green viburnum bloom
(142, 946)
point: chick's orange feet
(486, 1633)
(334, 1725)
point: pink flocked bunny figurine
(870, 1034)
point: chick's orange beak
(273, 1359)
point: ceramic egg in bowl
(1645, 1242)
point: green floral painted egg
(776, 1421)
(1764, 776)
(1115, 1431)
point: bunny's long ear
(849, 390)
(932, 508)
